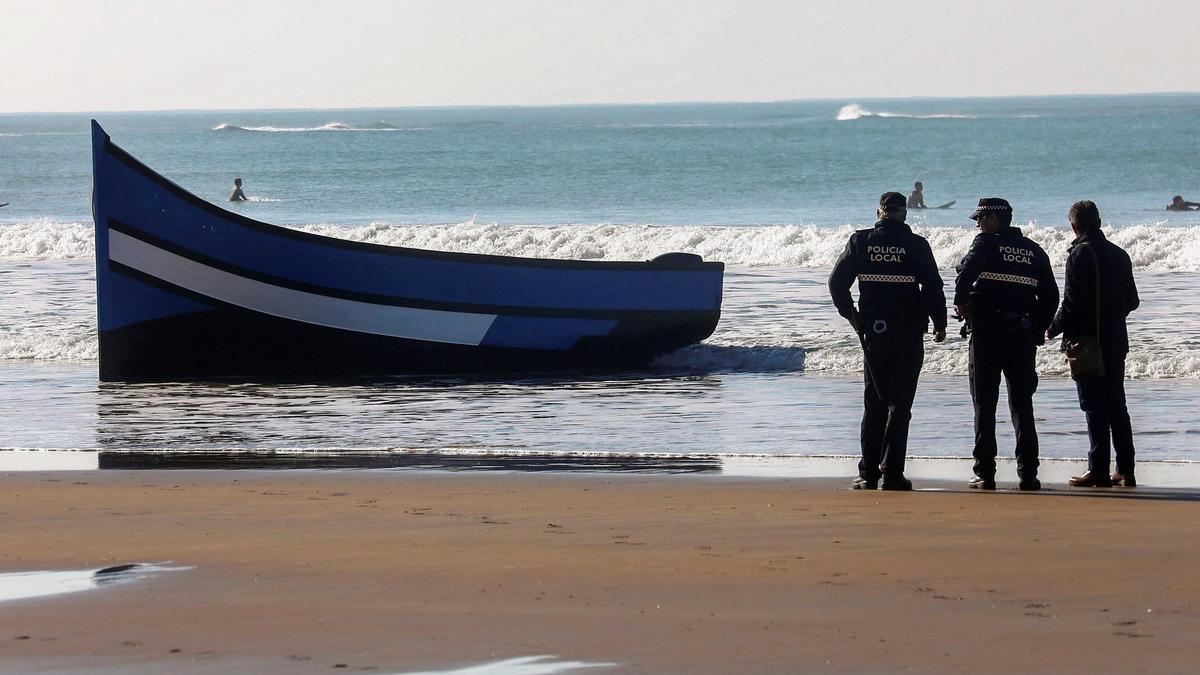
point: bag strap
(1096, 267)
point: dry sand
(401, 571)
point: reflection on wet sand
(176, 459)
(524, 665)
(25, 585)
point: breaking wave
(331, 126)
(1153, 247)
(855, 111)
(46, 239)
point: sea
(772, 189)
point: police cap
(890, 201)
(992, 205)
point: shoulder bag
(1083, 353)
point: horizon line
(476, 106)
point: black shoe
(1031, 484)
(1124, 480)
(896, 483)
(982, 483)
(861, 483)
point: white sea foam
(46, 239)
(330, 126)
(50, 339)
(855, 111)
(1152, 247)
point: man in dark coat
(1099, 294)
(900, 291)
(1007, 293)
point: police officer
(899, 292)
(1006, 292)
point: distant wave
(752, 124)
(331, 126)
(42, 133)
(255, 199)
(1152, 247)
(855, 111)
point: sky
(68, 55)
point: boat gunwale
(122, 155)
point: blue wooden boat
(188, 290)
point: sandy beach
(418, 571)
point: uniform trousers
(891, 370)
(991, 355)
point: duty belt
(889, 278)
(1009, 278)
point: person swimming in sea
(1179, 204)
(237, 195)
(916, 200)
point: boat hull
(187, 290)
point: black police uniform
(1008, 284)
(899, 292)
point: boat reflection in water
(680, 413)
(440, 461)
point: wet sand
(402, 571)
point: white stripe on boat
(432, 325)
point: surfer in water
(237, 195)
(1179, 204)
(916, 200)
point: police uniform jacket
(1009, 284)
(897, 277)
(1118, 294)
